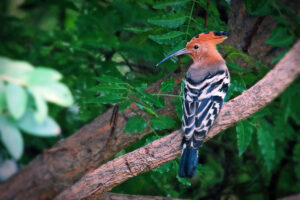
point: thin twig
(190, 17)
(167, 95)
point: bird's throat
(207, 60)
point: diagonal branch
(168, 148)
(61, 166)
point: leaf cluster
(24, 92)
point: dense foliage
(106, 52)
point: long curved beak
(177, 53)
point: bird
(205, 86)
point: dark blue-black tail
(188, 162)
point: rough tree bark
(248, 33)
(245, 29)
(168, 148)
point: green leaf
(142, 86)
(296, 153)
(47, 128)
(109, 79)
(137, 30)
(244, 132)
(111, 88)
(11, 138)
(67, 4)
(166, 38)
(289, 101)
(280, 37)
(179, 108)
(41, 76)
(229, 92)
(108, 99)
(170, 21)
(168, 85)
(14, 69)
(152, 138)
(164, 168)
(175, 4)
(146, 109)
(237, 86)
(124, 105)
(261, 113)
(2, 96)
(267, 146)
(16, 99)
(296, 158)
(41, 107)
(162, 122)
(111, 85)
(235, 67)
(234, 53)
(250, 78)
(280, 56)
(135, 124)
(161, 101)
(184, 181)
(54, 92)
(149, 99)
(297, 170)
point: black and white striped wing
(202, 102)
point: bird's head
(200, 45)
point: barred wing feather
(202, 102)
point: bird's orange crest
(215, 37)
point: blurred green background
(54, 54)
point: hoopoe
(205, 86)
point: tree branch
(61, 166)
(168, 148)
(115, 196)
(292, 197)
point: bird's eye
(196, 47)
